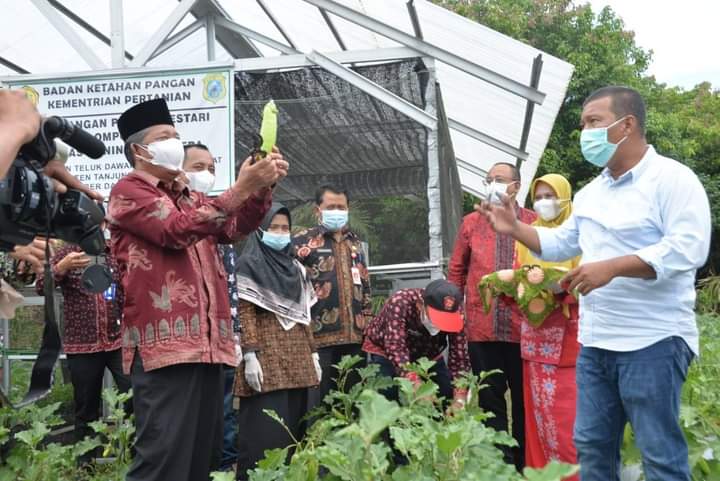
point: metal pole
(435, 214)
(530, 107)
(6, 358)
(414, 19)
(82, 23)
(371, 88)
(277, 24)
(210, 31)
(259, 37)
(162, 32)
(69, 34)
(117, 34)
(428, 49)
(332, 28)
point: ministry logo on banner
(214, 87)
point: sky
(684, 36)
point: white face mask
(547, 209)
(168, 153)
(201, 181)
(425, 320)
(495, 192)
(106, 234)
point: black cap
(443, 300)
(142, 116)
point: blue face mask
(595, 146)
(275, 241)
(334, 220)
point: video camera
(29, 204)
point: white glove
(253, 371)
(316, 362)
(238, 350)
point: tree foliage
(682, 124)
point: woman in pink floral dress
(549, 350)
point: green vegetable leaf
(553, 471)
(376, 413)
(447, 443)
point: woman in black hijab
(279, 362)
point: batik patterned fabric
(229, 257)
(344, 307)
(553, 342)
(164, 239)
(550, 394)
(398, 334)
(285, 356)
(479, 251)
(91, 323)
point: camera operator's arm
(64, 180)
(19, 124)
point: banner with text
(200, 102)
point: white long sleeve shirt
(658, 211)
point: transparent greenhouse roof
(31, 42)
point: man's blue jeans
(230, 423)
(642, 387)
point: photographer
(19, 124)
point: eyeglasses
(499, 180)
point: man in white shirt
(643, 229)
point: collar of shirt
(175, 186)
(633, 174)
(347, 233)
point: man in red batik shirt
(176, 325)
(493, 338)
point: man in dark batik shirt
(337, 266)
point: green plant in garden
(360, 435)
(708, 295)
(118, 430)
(700, 410)
(29, 455)
(222, 476)
(31, 458)
(377, 303)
